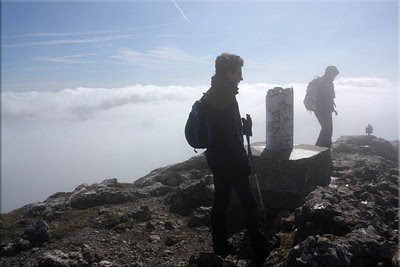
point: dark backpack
(310, 100)
(197, 128)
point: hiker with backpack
(320, 99)
(218, 112)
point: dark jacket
(226, 154)
(325, 95)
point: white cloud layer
(363, 82)
(54, 141)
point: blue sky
(49, 46)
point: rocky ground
(162, 219)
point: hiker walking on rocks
(325, 105)
(226, 156)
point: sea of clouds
(54, 141)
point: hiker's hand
(246, 125)
(335, 112)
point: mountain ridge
(162, 219)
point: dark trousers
(325, 135)
(224, 182)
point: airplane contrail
(181, 11)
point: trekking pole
(253, 171)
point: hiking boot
(260, 259)
(223, 250)
(261, 249)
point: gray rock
(200, 217)
(34, 235)
(194, 169)
(105, 264)
(368, 247)
(171, 240)
(169, 178)
(154, 238)
(362, 247)
(150, 226)
(168, 225)
(324, 211)
(107, 192)
(156, 189)
(204, 259)
(113, 182)
(185, 200)
(110, 218)
(194, 163)
(88, 254)
(15, 247)
(365, 144)
(319, 251)
(37, 233)
(54, 205)
(142, 214)
(56, 258)
(395, 145)
(81, 187)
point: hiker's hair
(227, 62)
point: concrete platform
(286, 177)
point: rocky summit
(163, 219)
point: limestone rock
(107, 192)
(365, 144)
(105, 264)
(56, 258)
(319, 251)
(171, 240)
(169, 178)
(142, 214)
(169, 225)
(154, 238)
(204, 259)
(110, 191)
(150, 226)
(37, 233)
(395, 145)
(185, 172)
(362, 247)
(200, 217)
(52, 206)
(34, 235)
(325, 211)
(156, 189)
(185, 200)
(14, 247)
(110, 218)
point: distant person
(227, 157)
(325, 105)
(369, 129)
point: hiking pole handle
(247, 124)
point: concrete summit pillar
(287, 172)
(279, 121)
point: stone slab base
(286, 177)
